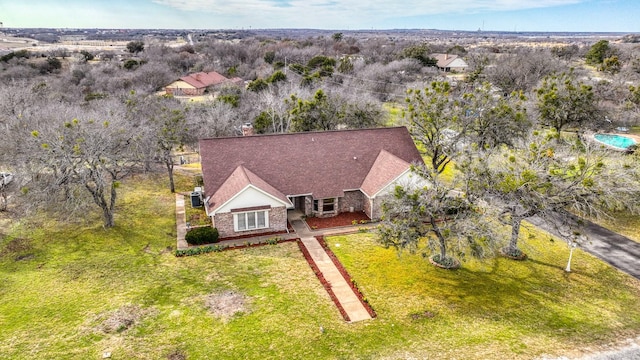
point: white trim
(298, 195)
(289, 205)
(237, 215)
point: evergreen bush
(202, 235)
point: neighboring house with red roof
(196, 84)
(250, 182)
(449, 62)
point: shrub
(272, 241)
(202, 235)
(200, 250)
(130, 64)
(257, 85)
(198, 180)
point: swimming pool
(617, 141)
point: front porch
(342, 223)
(329, 207)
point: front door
(299, 203)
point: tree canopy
(436, 123)
(598, 52)
(135, 47)
(564, 101)
(546, 178)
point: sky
(487, 15)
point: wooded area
(75, 123)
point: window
(315, 205)
(251, 220)
(328, 205)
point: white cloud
(372, 7)
(353, 13)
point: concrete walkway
(181, 222)
(339, 286)
(615, 249)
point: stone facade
(374, 210)
(308, 205)
(224, 223)
(351, 199)
(367, 208)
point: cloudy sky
(503, 15)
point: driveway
(613, 248)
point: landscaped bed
(342, 219)
(78, 291)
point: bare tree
(522, 71)
(163, 127)
(215, 119)
(71, 157)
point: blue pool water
(621, 142)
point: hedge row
(200, 250)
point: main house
(196, 84)
(250, 182)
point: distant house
(196, 84)
(448, 62)
(250, 182)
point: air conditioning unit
(196, 198)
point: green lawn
(61, 285)
(395, 114)
(623, 223)
(497, 308)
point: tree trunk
(107, 215)
(169, 163)
(515, 233)
(109, 221)
(4, 201)
(106, 207)
(441, 240)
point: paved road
(615, 249)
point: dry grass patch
(122, 319)
(177, 355)
(227, 304)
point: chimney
(446, 56)
(247, 129)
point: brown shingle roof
(444, 59)
(323, 164)
(385, 169)
(239, 179)
(202, 79)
